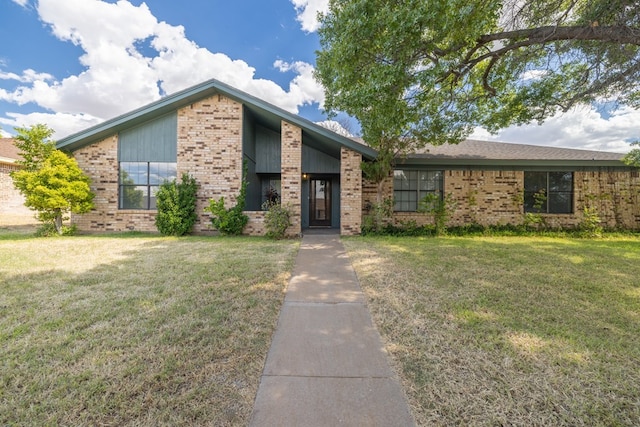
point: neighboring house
(211, 129)
(11, 201)
(495, 183)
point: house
(211, 130)
(496, 183)
(11, 201)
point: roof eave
(522, 163)
(190, 95)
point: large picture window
(548, 192)
(411, 186)
(139, 182)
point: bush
(230, 222)
(277, 219)
(176, 204)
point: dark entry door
(320, 203)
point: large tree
(415, 72)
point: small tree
(56, 187)
(176, 203)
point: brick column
(350, 192)
(291, 169)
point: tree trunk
(58, 222)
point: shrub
(230, 222)
(590, 224)
(277, 219)
(176, 204)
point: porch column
(350, 192)
(291, 178)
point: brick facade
(350, 192)
(495, 198)
(100, 162)
(11, 201)
(210, 150)
(291, 175)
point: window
(411, 186)
(271, 189)
(548, 192)
(139, 182)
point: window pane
(133, 173)
(400, 180)
(560, 202)
(133, 197)
(160, 172)
(535, 181)
(560, 181)
(533, 205)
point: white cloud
(63, 124)
(308, 11)
(582, 128)
(119, 76)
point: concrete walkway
(326, 365)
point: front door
(320, 203)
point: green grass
(136, 329)
(509, 330)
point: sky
(72, 64)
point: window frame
(150, 185)
(418, 190)
(549, 207)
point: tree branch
(610, 34)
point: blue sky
(74, 63)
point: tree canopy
(417, 72)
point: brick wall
(495, 198)
(291, 169)
(210, 150)
(11, 201)
(100, 162)
(350, 192)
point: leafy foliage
(439, 208)
(229, 221)
(632, 158)
(58, 187)
(176, 204)
(417, 72)
(35, 146)
(276, 219)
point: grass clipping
(509, 331)
(136, 330)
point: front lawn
(136, 330)
(509, 330)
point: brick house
(211, 129)
(11, 201)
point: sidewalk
(326, 365)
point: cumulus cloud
(582, 127)
(62, 124)
(22, 3)
(308, 11)
(131, 59)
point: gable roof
(263, 111)
(477, 153)
(9, 153)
